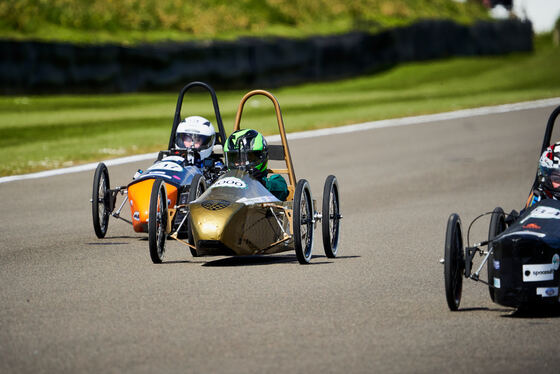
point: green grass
(44, 132)
(134, 21)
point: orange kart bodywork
(139, 196)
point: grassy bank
(132, 21)
(38, 133)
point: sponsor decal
(543, 212)
(176, 177)
(532, 226)
(215, 204)
(497, 264)
(497, 283)
(538, 273)
(556, 261)
(547, 291)
(230, 182)
(136, 216)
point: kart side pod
(139, 197)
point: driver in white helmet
(548, 186)
(196, 133)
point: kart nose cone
(211, 220)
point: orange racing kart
(175, 170)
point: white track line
(404, 121)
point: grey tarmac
(72, 303)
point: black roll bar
(221, 133)
(549, 128)
(546, 140)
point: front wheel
(197, 188)
(497, 225)
(303, 222)
(157, 221)
(100, 200)
(330, 223)
(454, 262)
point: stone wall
(37, 67)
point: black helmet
(246, 149)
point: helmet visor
(555, 179)
(197, 141)
(236, 158)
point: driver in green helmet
(247, 149)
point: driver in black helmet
(248, 148)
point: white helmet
(198, 133)
(549, 170)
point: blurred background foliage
(133, 21)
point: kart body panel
(176, 176)
(527, 258)
(237, 215)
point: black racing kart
(522, 253)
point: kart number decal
(170, 166)
(538, 273)
(256, 200)
(230, 182)
(174, 158)
(158, 173)
(543, 212)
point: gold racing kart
(238, 216)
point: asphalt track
(70, 302)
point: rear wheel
(157, 221)
(100, 200)
(497, 225)
(330, 222)
(303, 222)
(197, 188)
(454, 262)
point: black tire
(330, 223)
(454, 257)
(100, 200)
(303, 222)
(197, 188)
(157, 221)
(497, 225)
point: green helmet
(246, 149)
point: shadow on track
(255, 260)
(485, 309)
(251, 260)
(270, 260)
(107, 240)
(535, 311)
(542, 311)
(175, 262)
